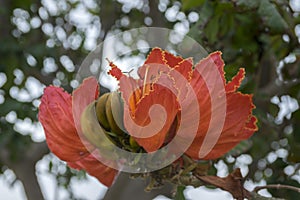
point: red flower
(56, 113)
(220, 124)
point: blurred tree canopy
(44, 42)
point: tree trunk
(126, 188)
(26, 174)
(24, 167)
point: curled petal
(85, 94)
(94, 167)
(55, 114)
(131, 92)
(152, 132)
(218, 62)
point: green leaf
(50, 166)
(273, 109)
(188, 4)
(25, 4)
(227, 24)
(249, 4)
(179, 193)
(205, 14)
(211, 31)
(224, 7)
(271, 17)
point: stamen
(145, 80)
(129, 72)
(110, 63)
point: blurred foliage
(263, 37)
(44, 42)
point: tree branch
(233, 184)
(24, 167)
(273, 89)
(126, 188)
(158, 19)
(276, 186)
(26, 174)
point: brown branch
(25, 172)
(233, 183)
(24, 167)
(125, 187)
(158, 19)
(273, 89)
(276, 186)
(109, 13)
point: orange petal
(185, 68)
(250, 127)
(205, 73)
(131, 91)
(57, 117)
(155, 59)
(85, 94)
(94, 167)
(236, 81)
(172, 60)
(181, 75)
(215, 58)
(239, 123)
(239, 109)
(115, 71)
(204, 103)
(155, 56)
(159, 96)
(129, 86)
(55, 114)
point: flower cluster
(185, 99)
(162, 69)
